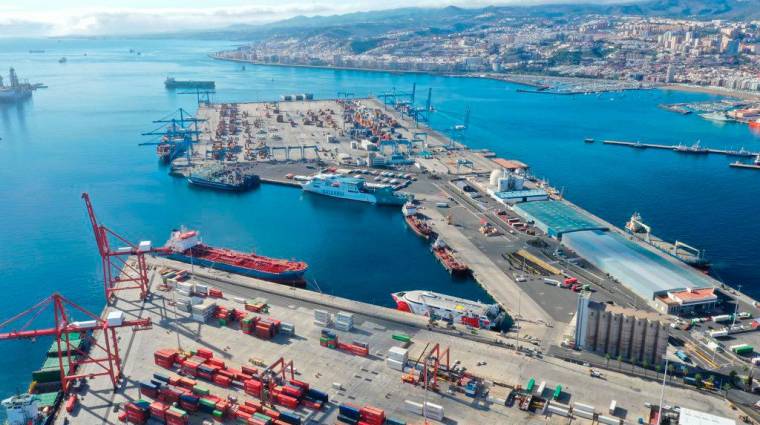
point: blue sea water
(81, 134)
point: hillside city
(714, 53)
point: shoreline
(509, 78)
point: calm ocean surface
(81, 134)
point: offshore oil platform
(16, 91)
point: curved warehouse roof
(557, 218)
(645, 272)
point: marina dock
(694, 149)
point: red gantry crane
(103, 352)
(117, 270)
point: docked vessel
(446, 256)
(754, 165)
(218, 177)
(16, 91)
(453, 309)
(171, 83)
(686, 253)
(695, 148)
(755, 124)
(416, 221)
(186, 246)
(352, 188)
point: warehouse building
(556, 218)
(634, 335)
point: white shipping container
(583, 414)
(201, 289)
(433, 407)
(238, 300)
(613, 407)
(199, 317)
(413, 407)
(581, 406)
(85, 324)
(609, 421)
(183, 292)
(541, 388)
(187, 286)
(395, 364)
(432, 414)
(398, 353)
(115, 318)
(196, 300)
(557, 410)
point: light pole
(662, 393)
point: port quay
(192, 342)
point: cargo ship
(446, 256)
(186, 246)
(171, 83)
(455, 310)
(218, 177)
(16, 91)
(754, 165)
(352, 188)
(686, 253)
(44, 397)
(416, 221)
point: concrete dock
(363, 380)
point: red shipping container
(187, 383)
(122, 417)
(316, 405)
(246, 409)
(216, 362)
(287, 401)
(270, 412)
(223, 406)
(253, 404)
(158, 410)
(293, 392)
(71, 403)
(301, 384)
(249, 370)
(255, 421)
(204, 352)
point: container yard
(329, 364)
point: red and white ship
(453, 309)
(446, 256)
(416, 221)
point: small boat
(62, 60)
(588, 140)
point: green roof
(47, 399)
(558, 217)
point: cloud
(21, 22)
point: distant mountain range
(450, 19)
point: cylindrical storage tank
(519, 182)
(494, 179)
(503, 185)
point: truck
(742, 349)
(719, 333)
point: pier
(694, 149)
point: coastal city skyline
(379, 213)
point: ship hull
(207, 184)
(415, 224)
(446, 261)
(295, 277)
(190, 85)
(457, 315)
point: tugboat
(446, 256)
(186, 246)
(416, 221)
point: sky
(24, 18)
